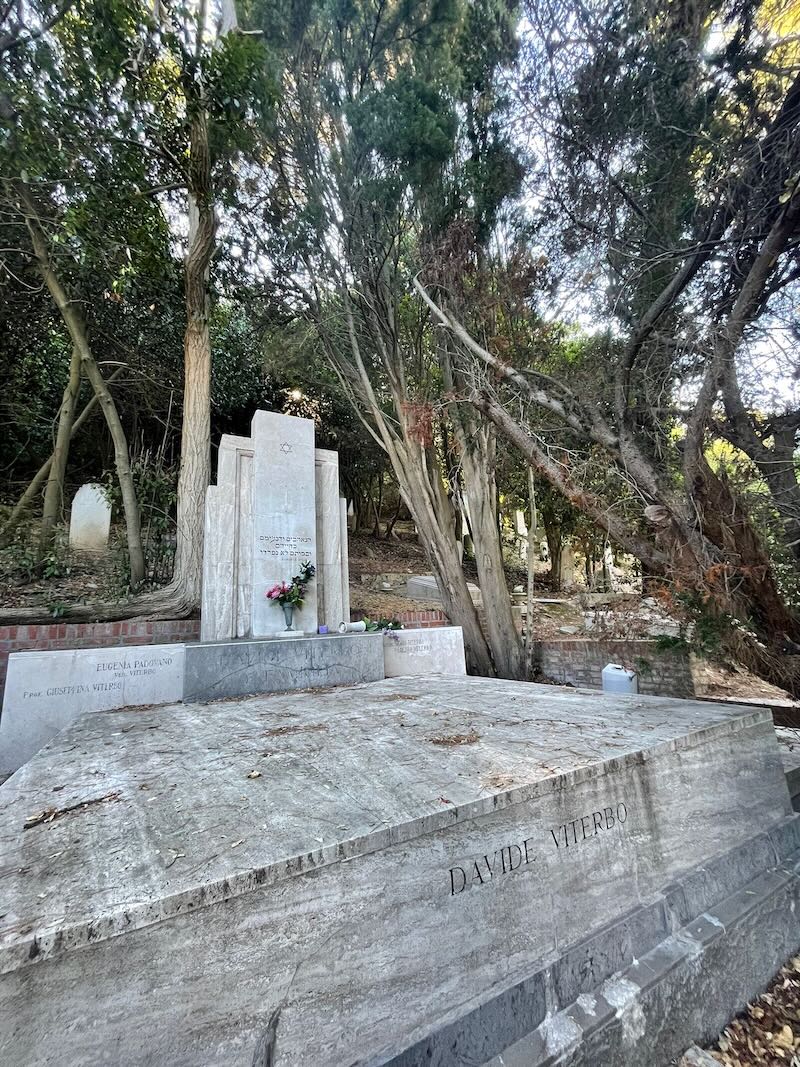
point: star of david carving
(286, 448)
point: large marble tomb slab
(327, 878)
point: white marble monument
(276, 504)
(90, 519)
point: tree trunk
(76, 326)
(130, 505)
(54, 493)
(533, 533)
(478, 467)
(552, 532)
(419, 479)
(426, 506)
(377, 506)
(195, 469)
(476, 441)
(395, 516)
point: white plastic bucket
(617, 679)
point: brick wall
(412, 619)
(56, 635)
(579, 663)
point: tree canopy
(480, 237)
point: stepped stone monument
(416, 871)
(275, 506)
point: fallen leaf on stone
(785, 1039)
(254, 774)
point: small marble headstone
(438, 650)
(567, 568)
(90, 519)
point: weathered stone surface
(646, 985)
(46, 691)
(437, 650)
(89, 519)
(284, 519)
(697, 1057)
(789, 743)
(424, 587)
(376, 862)
(239, 668)
(330, 607)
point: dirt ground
(766, 1034)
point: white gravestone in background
(90, 519)
(567, 568)
(46, 691)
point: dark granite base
(216, 670)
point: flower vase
(288, 614)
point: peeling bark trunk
(54, 493)
(420, 483)
(195, 469)
(442, 550)
(533, 532)
(477, 446)
(476, 440)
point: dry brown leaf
(785, 1039)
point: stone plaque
(284, 519)
(438, 650)
(46, 691)
(90, 519)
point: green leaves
(409, 123)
